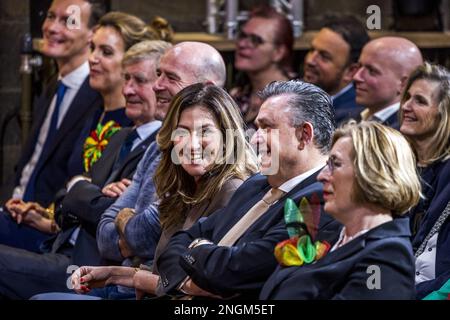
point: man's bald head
(386, 64)
(203, 60)
(401, 53)
(185, 64)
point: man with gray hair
(230, 253)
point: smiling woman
(115, 33)
(425, 121)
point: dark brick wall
(14, 21)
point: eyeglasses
(331, 164)
(254, 39)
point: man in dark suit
(85, 200)
(60, 114)
(231, 252)
(385, 65)
(333, 60)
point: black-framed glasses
(254, 39)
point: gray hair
(145, 50)
(309, 103)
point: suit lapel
(81, 104)
(140, 148)
(137, 152)
(39, 115)
(393, 121)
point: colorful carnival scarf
(97, 142)
(302, 225)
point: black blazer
(85, 202)
(244, 267)
(436, 189)
(393, 121)
(53, 170)
(344, 273)
(345, 107)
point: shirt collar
(75, 78)
(291, 183)
(383, 114)
(144, 131)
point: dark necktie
(126, 148)
(51, 133)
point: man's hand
(122, 219)
(30, 213)
(14, 207)
(125, 250)
(115, 189)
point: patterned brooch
(302, 224)
(97, 142)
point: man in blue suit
(84, 203)
(333, 60)
(230, 253)
(385, 65)
(60, 113)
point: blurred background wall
(20, 16)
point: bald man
(385, 65)
(185, 64)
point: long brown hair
(174, 186)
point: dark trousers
(20, 235)
(24, 274)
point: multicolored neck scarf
(97, 142)
(302, 225)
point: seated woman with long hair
(204, 159)
(425, 121)
(369, 182)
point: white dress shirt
(426, 262)
(292, 183)
(383, 114)
(73, 82)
